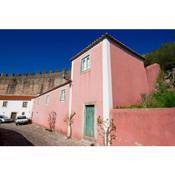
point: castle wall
(31, 84)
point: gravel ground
(34, 135)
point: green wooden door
(89, 120)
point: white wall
(16, 106)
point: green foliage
(164, 99)
(161, 84)
(165, 56)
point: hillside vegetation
(162, 97)
(165, 56)
(164, 94)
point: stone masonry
(31, 84)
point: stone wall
(31, 84)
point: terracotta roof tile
(15, 97)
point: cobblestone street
(33, 135)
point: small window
(85, 64)
(5, 103)
(38, 101)
(23, 113)
(62, 95)
(47, 99)
(24, 104)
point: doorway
(13, 115)
(90, 121)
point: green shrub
(164, 99)
(157, 100)
(165, 56)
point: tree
(69, 121)
(52, 121)
(107, 130)
(165, 56)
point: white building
(13, 106)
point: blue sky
(24, 51)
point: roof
(109, 37)
(15, 97)
(61, 85)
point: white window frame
(38, 101)
(47, 99)
(62, 95)
(4, 102)
(85, 63)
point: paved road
(33, 135)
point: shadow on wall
(12, 138)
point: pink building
(56, 100)
(105, 75)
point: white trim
(70, 95)
(62, 95)
(107, 82)
(47, 99)
(70, 102)
(83, 121)
(85, 67)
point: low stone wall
(144, 127)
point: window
(38, 101)
(5, 103)
(24, 104)
(23, 113)
(47, 99)
(62, 95)
(85, 64)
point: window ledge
(85, 71)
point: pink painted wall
(152, 72)
(42, 110)
(144, 126)
(129, 78)
(129, 82)
(87, 89)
